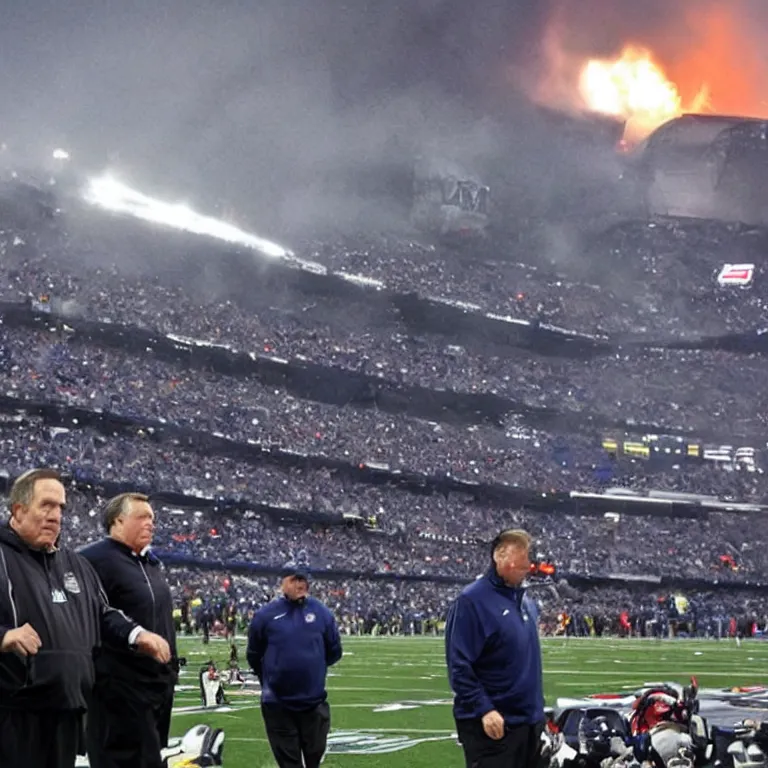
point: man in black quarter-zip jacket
(53, 614)
(130, 718)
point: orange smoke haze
(728, 57)
(713, 64)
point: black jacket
(136, 585)
(59, 595)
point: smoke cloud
(289, 113)
(265, 108)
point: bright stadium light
(60, 154)
(113, 195)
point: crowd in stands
(433, 535)
(675, 389)
(412, 534)
(48, 365)
(718, 395)
(365, 607)
(656, 277)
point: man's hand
(153, 645)
(23, 640)
(493, 725)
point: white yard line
(200, 711)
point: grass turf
(380, 673)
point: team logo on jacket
(71, 584)
(309, 618)
(58, 596)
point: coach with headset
(129, 719)
(494, 661)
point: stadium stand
(381, 430)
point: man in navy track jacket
(494, 662)
(291, 643)
(130, 716)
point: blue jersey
(291, 644)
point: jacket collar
(294, 603)
(12, 539)
(145, 556)
(517, 592)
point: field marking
(202, 711)
(440, 678)
(386, 690)
(652, 673)
(333, 706)
(435, 731)
(247, 738)
(736, 663)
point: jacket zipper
(10, 590)
(152, 595)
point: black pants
(125, 732)
(46, 739)
(295, 734)
(518, 748)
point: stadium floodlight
(60, 154)
(113, 195)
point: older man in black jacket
(53, 614)
(130, 719)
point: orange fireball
(628, 86)
(633, 87)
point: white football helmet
(200, 747)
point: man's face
(294, 587)
(135, 526)
(39, 522)
(513, 563)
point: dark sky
(254, 102)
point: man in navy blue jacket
(130, 715)
(291, 643)
(494, 662)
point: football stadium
(411, 353)
(392, 703)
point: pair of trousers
(127, 732)
(298, 739)
(44, 739)
(518, 748)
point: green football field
(391, 703)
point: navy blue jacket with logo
(291, 644)
(59, 594)
(136, 585)
(493, 654)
